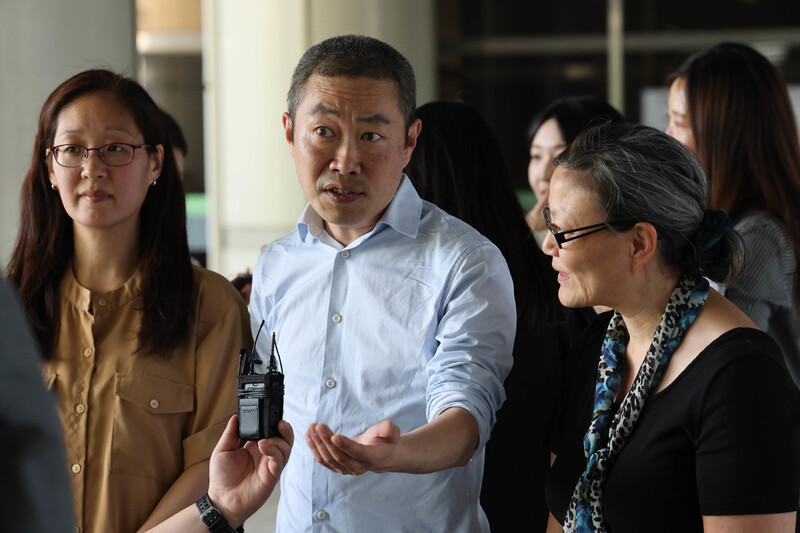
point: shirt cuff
(198, 446)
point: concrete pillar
(248, 56)
(615, 53)
(42, 43)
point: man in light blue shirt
(395, 321)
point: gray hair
(356, 56)
(643, 175)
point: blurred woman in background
(729, 105)
(549, 133)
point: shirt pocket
(150, 419)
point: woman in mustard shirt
(140, 346)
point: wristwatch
(213, 519)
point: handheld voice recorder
(260, 395)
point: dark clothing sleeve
(572, 413)
(518, 455)
(747, 444)
(34, 492)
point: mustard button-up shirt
(133, 422)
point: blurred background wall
(222, 68)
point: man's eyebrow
(322, 109)
(374, 118)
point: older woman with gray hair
(677, 413)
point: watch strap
(212, 518)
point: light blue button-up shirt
(410, 319)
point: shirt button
(345, 254)
(80, 408)
(77, 529)
(337, 318)
(102, 301)
(76, 468)
(330, 383)
(87, 352)
(154, 403)
(322, 515)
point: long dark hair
(745, 134)
(457, 165)
(44, 244)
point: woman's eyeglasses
(560, 236)
(114, 154)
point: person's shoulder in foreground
(36, 494)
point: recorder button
(330, 383)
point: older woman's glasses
(560, 236)
(75, 155)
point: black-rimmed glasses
(114, 154)
(559, 235)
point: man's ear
(645, 243)
(288, 130)
(411, 140)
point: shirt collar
(403, 215)
(95, 302)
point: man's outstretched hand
(448, 441)
(371, 451)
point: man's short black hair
(356, 56)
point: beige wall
(168, 15)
